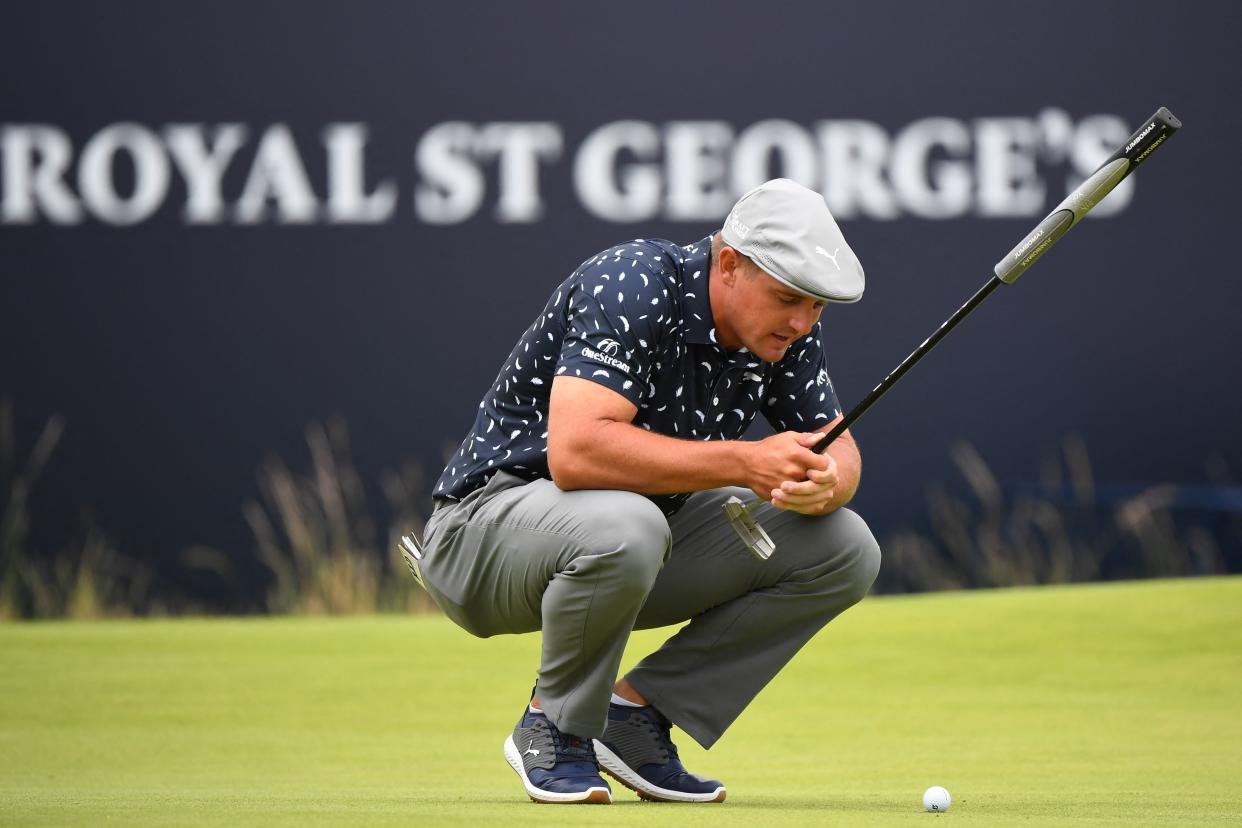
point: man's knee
(863, 555)
(839, 557)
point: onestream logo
(606, 354)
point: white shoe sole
(618, 770)
(591, 796)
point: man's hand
(812, 496)
(786, 471)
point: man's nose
(804, 319)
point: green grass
(1115, 704)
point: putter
(1154, 132)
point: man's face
(760, 313)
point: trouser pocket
(451, 559)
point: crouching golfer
(586, 500)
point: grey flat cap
(787, 230)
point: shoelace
(572, 749)
(661, 728)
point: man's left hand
(812, 496)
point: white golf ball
(936, 799)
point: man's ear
(729, 261)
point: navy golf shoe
(636, 751)
(555, 767)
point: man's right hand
(782, 457)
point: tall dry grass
(319, 536)
(990, 539)
(315, 533)
(86, 579)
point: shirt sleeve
(616, 314)
(801, 396)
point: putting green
(1116, 704)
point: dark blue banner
(220, 223)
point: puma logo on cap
(833, 255)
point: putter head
(748, 529)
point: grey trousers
(587, 567)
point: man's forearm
(593, 444)
(619, 455)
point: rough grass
(1112, 704)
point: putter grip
(1155, 131)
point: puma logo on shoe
(562, 769)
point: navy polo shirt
(636, 318)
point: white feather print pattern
(668, 362)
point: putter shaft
(1154, 132)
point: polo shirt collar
(696, 304)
